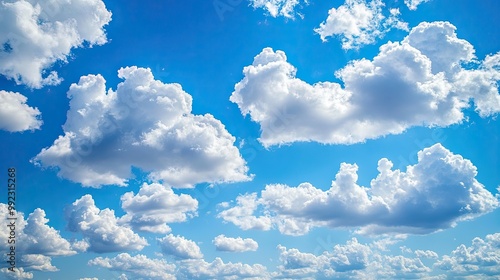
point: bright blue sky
(273, 107)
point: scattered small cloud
(276, 8)
(358, 23)
(413, 4)
(223, 243)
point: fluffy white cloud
(435, 193)
(223, 243)
(18, 273)
(36, 34)
(37, 262)
(16, 115)
(416, 82)
(275, 8)
(156, 205)
(359, 23)
(412, 4)
(179, 247)
(39, 238)
(34, 236)
(146, 124)
(481, 259)
(242, 214)
(100, 228)
(200, 269)
(137, 266)
(35, 243)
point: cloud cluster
(36, 243)
(139, 266)
(145, 124)
(275, 8)
(354, 260)
(419, 81)
(36, 34)
(100, 228)
(179, 247)
(435, 193)
(223, 243)
(358, 23)
(154, 206)
(482, 258)
(343, 261)
(16, 115)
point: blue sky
(252, 139)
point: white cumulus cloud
(146, 124)
(223, 243)
(36, 34)
(16, 115)
(179, 247)
(154, 206)
(358, 23)
(37, 262)
(435, 193)
(416, 82)
(137, 267)
(34, 235)
(100, 228)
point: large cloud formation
(146, 124)
(419, 81)
(359, 23)
(16, 115)
(36, 34)
(435, 193)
